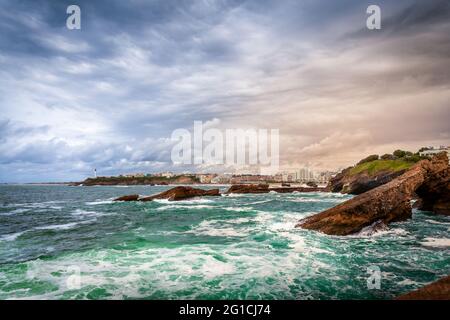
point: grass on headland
(374, 167)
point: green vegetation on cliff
(397, 161)
(148, 180)
(376, 166)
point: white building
(433, 151)
(222, 178)
(166, 174)
(305, 175)
(135, 175)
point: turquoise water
(59, 242)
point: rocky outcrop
(264, 188)
(132, 197)
(174, 194)
(362, 182)
(248, 188)
(388, 203)
(439, 290)
(434, 194)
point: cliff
(174, 194)
(368, 175)
(389, 202)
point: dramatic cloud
(109, 95)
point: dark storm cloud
(109, 95)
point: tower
(95, 173)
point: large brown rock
(182, 193)
(384, 204)
(434, 194)
(439, 290)
(174, 194)
(132, 197)
(249, 188)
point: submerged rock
(439, 290)
(249, 188)
(388, 203)
(174, 194)
(132, 197)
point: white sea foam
(318, 199)
(176, 206)
(13, 212)
(213, 268)
(214, 228)
(145, 273)
(86, 213)
(94, 203)
(407, 282)
(64, 226)
(238, 209)
(280, 226)
(11, 236)
(233, 195)
(239, 220)
(438, 222)
(436, 242)
(259, 202)
(193, 201)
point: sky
(109, 95)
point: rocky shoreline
(174, 194)
(438, 290)
(184, 192)
(428, 180)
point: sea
(63, 242)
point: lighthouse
(95, 173)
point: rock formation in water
(373, 171)
(132, 197)
(434, 194)
(390, 202)
(174, 194)
(439, 290)
(362, 182)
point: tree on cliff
(370, 158)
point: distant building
(222, 179)
(278, 177)
(433, 151)
(166, 174)
(135, 175)
(303, 175)
(205, 177)
(289, 177)
(251, 178)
